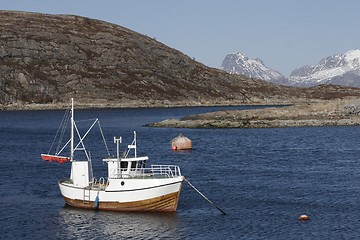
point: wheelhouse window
(124, 165)
(133, 165)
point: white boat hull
(126, 195)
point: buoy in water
(304, 217)
(181, 143)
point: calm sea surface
(263, 178)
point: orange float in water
(181, 143)
(304, 217)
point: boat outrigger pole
(72, 131)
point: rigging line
(84, 136)
(205, 197)
(102, 134)
(86, 120)
(57, 133)
(67, 119)
(81, 141)
(67, 143)
(128, 151)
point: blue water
(263, 178)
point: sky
(285, 34)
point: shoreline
(133, 104)
(339, 112)
(326, 113)
(174, 123)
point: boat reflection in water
(82, 224)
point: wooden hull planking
(166, 203)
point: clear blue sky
(285, 34)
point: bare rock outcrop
(325, 113)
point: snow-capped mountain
(340, 69)
(238, 63)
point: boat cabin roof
(131, 159)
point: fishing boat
(129, 184)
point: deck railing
(155, 171)
(169, 170)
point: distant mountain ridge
(339, 69)
(238, 63)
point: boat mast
(118, 141)
(135, 143)
(72, 131)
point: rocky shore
(81, 104)
(325, 113)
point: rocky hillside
(50, 58)
(47, 59)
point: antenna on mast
(118, 141)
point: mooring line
(205, 197)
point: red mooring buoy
(181, 143)
(304, 217)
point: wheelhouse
(126, 167)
